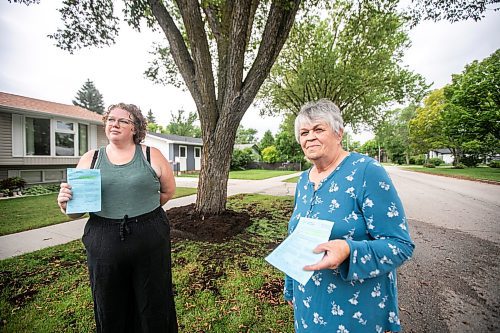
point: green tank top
(130, 189)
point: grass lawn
(253, 174)
(225, 287)
(31, 212)
(479, 173)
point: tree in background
(352, 57)
(472, 112)
(267, 140)
(89, 97)
(370, 148)
(348, 142)
(151, 117)
(245, 135)
(393, 134)
(183, 125)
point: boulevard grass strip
(479, 173)
(225, 287)
(31, 212)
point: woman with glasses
(128, 241)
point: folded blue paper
(296, 251)
(86, 188)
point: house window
(182, 151)
(83, 141)
(67, 139)
(37, 136)
(43, 176)
(197, 152)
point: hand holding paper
(296, 251)
(86, 188)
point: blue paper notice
(296, 251)
(86, 188)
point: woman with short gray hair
(353, 287)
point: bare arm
(65, 193)
(165, 175)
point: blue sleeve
(390, 244)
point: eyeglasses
(121, 121)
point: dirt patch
(185, 223)
(271, 292)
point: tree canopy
(183, 125)
(89, 97)
(353, 57)
(245, 135)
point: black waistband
(138, 218)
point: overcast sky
(32, 66)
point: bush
(270, 154)
(435, 160)
(241, 158)
(9, 185)
(429, 165)
(470, 160)
(494, 164)
(41, 189)
(417, 160)
(459, 166)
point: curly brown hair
(140, 123)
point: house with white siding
(40, 139)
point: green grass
(31, 212)
(291, 180)
(225, 287)
(479, 173)
(253, 174)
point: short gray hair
(321, 111)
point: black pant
(131, 273)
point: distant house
(183, 152)
(40, 139)
(252, 146)
(444, 153)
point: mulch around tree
(185, 223)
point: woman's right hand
(64, 196)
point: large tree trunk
(216, 160)
(221, 107)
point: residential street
(452, 282)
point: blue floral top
(361, 295)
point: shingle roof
(22, 103)
(178, 138)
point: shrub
(240, 158)
(41, 189)
(270, 154)
(470, 160)
(8, 185)
(417, 160)
(459, 166)
(429, 165)
(435, 160)
(494, 164)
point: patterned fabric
(361, 295)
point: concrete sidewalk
(33, 240)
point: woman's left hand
(336, 251)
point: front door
(197, 158)
(182, 158)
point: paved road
(452, 282)
(464, 205)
